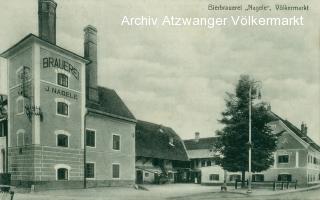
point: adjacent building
(160, 154)
(64, 130)
(204, 162)
(297, 157)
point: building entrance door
(139, 177)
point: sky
(179, 76)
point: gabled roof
(32, 37)
(111, 104)
(295, 130)
(202, 143)
(152, 141)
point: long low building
(160, 154)
(297, 157)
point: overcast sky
(178, 76)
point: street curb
(277, 192)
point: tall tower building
(64, 131)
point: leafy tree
(233, 140)
(3, 107)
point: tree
(3, 107)
(233, 138)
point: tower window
(62, 80)
(62, 140)
(62, 108)
(20, 105)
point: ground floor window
(258, 177)
(284, 177)
(62, 174)
(115, 170)
(90, 170)
(235, 177)
(214, 177)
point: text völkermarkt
(211, 22)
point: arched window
(62, 80)
(62, 138)
(62, 108)
(62, 174)
(20, 137)
(20, 105)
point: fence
(276, 185)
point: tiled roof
(110, 103)
(202, 143)
(152, 141)
(295, 130)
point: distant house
(203, 161)
(297, 157)
(160, 154)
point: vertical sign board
(52, 64)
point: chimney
(269, 107)
(304, 128)
(197, 136)
(90, 53)
(47, 20)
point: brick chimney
(304, 128)
(197, 136)
(90, 53)
(47, 20)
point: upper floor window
(116, 142)
(203, 163)
(91, 138)
(20, 105)
(23, 74)
(62, 108)
(62, 140)
(62, 80)
(283, 159)
(208, 163)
